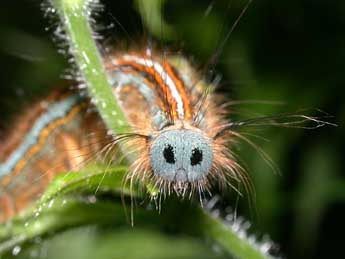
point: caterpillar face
(181, 155)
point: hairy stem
(236, 242)
(75, 17)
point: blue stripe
(60, 109)
(55, 111)
(120, 79)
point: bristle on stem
(76, 16)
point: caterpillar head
(185, 160)
(181, 155)
(175, 124)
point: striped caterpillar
(175, 132)
(179, 132)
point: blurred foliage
(110, 242)
(291, 52)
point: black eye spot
(196, 157)
(169, 155)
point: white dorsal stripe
(165, 77)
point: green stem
(232, 237)
(151, 13)
(239, 246)
(75, 16)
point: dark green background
(288, 51)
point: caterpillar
(179, 131)
(175, 131)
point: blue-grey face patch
(181, 155)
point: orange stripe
(181, 90)
(151, 84)
(161, 84)
(41, 141)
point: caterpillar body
(176, 132)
